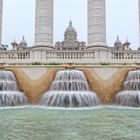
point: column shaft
(44, 23)
(96, 23)
(1, 15)
(139, 19)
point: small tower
(14, 45)
(127, 45)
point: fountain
(131, 94)
(70, 89)
(9, 92)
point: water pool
(103, 123)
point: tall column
(139, 20)
(44, 23)
(96, 23)
(1, 15)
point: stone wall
(106, 82)
(34, 81)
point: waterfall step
(12, 98)
(131, 94)
(70, 89)
(70, 99)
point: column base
(95, 47)
(43, 47)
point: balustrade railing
(131, 56)
(14, 57)
(70, 57)
(81, 57)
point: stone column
(139, 20)
(96, 23)
(44, 23)
(1, 15)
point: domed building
(21, 46)
(23, 43)
(118, 45)
(70, 40)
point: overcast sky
(122, 20)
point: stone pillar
(1, 15)
(96, 23)
(44, 23)
(139, 20)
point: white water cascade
(70, 89)
(131, 94)
(9, 92)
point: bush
(52, 63)
(104, 63)
(124, 64)
(36, 63)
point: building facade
(70, 50)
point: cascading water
(9, 92)
(70, 89)
(131, 94)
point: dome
(23, 42)
(70, 33)
(118, 43)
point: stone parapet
(102, 57)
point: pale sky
(122, 20)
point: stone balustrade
(14, 57)
(132, 57)
(76, 57)
(82, 57)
